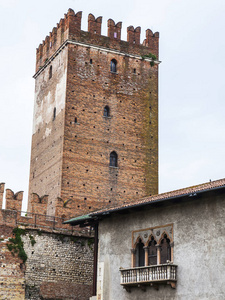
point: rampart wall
(59, 261)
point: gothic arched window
(140, 254)
(165, 250)
(106, 111)
(113, 66)
(152, 252)
(113, 159)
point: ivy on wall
(15, 245)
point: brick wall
(12, 280)
(131, 130)
(70, 152)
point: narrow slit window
(75, 120)
(50, 72)
(54, 113)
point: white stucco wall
(199, 242)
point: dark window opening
(91, 61)
(140, 254)
(134, 71)
(75, 120)
(152, 252)
(54, 113)
(113, 159)
(165, 250)
(113, 66)
(50, 72)
(106, 111)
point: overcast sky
(191, 81)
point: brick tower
(95, 128)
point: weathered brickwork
(12, 281)
(72, 139)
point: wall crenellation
(94, 25)
(69, 28)
(114, 30)
(14, 200)
(37, 217)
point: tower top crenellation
(69, 28)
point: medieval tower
(95, 126)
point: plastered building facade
(167, 246)
(95, 130)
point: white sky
(191, 81)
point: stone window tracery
(156, 243)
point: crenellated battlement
(12, 215)
(69, 29)
(70, 24)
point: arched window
(113, 65)
(106, 111)
(113, 159)
(54, 113)
(165, 250)
(50, 72)
(140, 254)
(152, 252)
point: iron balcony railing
(149, 274)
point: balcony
(150, 275)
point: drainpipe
(95, 260)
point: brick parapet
(37, 217)
(69, 28)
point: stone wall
(58, 266)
